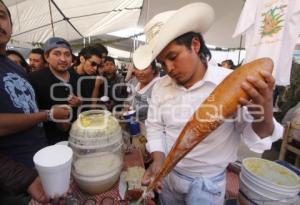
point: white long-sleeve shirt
(172, 105)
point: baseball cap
(56, 42)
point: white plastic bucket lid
(270, 173)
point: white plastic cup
(53, 164)
(63, 143)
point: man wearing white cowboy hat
(174, 39)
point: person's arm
(36, 191)
(155, 129)
(129, 102)
(158, 159)
(16, 177)
(261, 104)
(121, 91)
(74, 101)
(155, 141)
(95, 92)
(263, 129)
(12, 123)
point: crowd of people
(40, 100)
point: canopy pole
(135, 36)
(240, 49)
(51, 17)
(65, 18)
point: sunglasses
(94, 64)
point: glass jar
(96, 140)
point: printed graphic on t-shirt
(273, 20)
(21, 93)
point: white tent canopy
(72, 19)
(90, 19)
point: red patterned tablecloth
(134, 158)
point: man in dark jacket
(21, 131)
(115, 88)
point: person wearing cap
(175, 39)
(21, 131)
(56, 85)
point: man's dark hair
(23, 61)
(38, 51)
(8, 12)
(74, 59)
(186, 40)
(154, 67)
(102, 48)
(88, 52)
(110, 59)
(229, 62)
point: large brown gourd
(219, 105)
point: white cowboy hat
(167, 26)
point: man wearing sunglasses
(88, 63)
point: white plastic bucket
(53, 164)
(268, 183)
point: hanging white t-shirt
(271, 28)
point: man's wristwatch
(49, 114)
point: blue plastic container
(132, 123)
